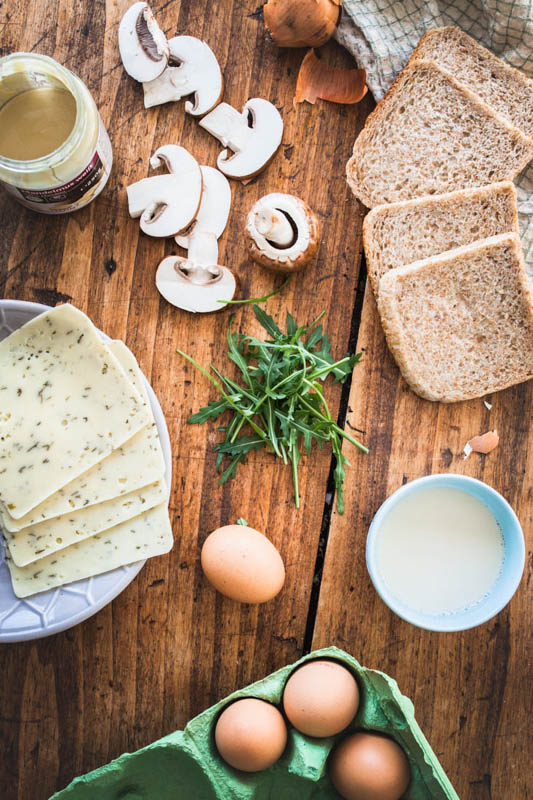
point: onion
(301, 23)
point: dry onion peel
(301, 23)
(319, 80)
(482, 444)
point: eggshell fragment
(242, 564)
(250, 735)
(368, 766)
(321, 698)
(484, 443)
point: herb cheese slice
(65, 404)
(147, 535)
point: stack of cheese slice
(82, 487)
(434, 164)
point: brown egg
(321, 698)
(242, 564)
(368, 766)
(250, 735)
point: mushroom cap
(194, 289)
(176, 159)
(307, 232)
(196, 73)
(143, 45)
(253, 146)
(214, 208)
(167, 204)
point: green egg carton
(186, 766)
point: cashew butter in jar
(55, 154)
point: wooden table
(169, 646)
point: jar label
(70, 192)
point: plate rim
(135, 567)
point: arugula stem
(257, 299)
(294, 460)
(350, 438)
(232, 384)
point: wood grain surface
(168, 646)
(473, 690)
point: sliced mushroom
(282, 232)
(196, 283)
(193, 70)
(167, 204)
(143, 45)
(212, 216)
(254, 135)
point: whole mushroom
(282, 232)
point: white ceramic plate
(58, 609)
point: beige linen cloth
(381, 35)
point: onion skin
(301, 23)
(316, 79)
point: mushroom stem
(201, 267)
(203, 248)
(274, 226)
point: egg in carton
(186, 764)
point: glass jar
(76, 171)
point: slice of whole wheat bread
(400, 233)
(505, 89)
(432, 135)
(460, 324)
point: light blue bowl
(509, 578)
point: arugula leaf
(213, 410)
(240, 446)
(292, 327)
(257, 299)
(266, 321)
